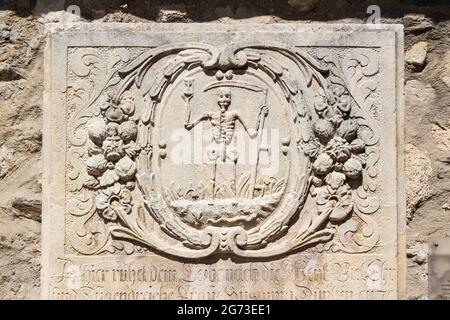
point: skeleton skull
(224, 98)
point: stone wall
(22, 39)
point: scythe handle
(259, 127)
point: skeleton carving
(224, 122)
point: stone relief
(125, 189)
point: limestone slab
(206, 161)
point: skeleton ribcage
(224, 133)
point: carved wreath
(336, 133)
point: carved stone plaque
(439, 269)
(203, 161)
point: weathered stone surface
(173, 15)
(7, 161)
(418, 174)
(419, 97)
(417, 23)
(28, 205)
(441, 134)
(256, 143)
(304, 5)
(20, 104)
(439, 266)
(5, 33)
(417, 55)
(445, 75)
(19, 258)
(9, 74)
(419, 256)
(20, 140)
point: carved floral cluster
(110, 166)
(337, 154)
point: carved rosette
(323, 198)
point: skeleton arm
(190, 125)
(250, 132)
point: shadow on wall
(211, 10)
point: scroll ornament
(335, 134)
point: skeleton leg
(214, 180)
